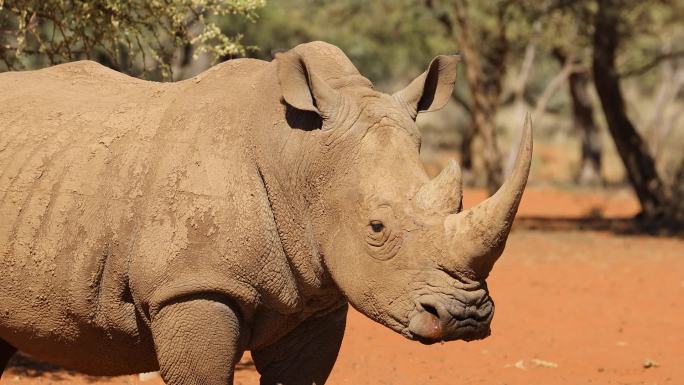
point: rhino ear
(302, 88)
(432, 89)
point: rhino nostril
(430, 309)
(426, 323)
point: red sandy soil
(572, 307)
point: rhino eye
(377, 226)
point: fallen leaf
(543, 363)
(518, 365)
(650, 364)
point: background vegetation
(604, 79)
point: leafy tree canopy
(138, 37)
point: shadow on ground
(618, 226)
(26, 366)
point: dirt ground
(572, 307)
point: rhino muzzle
(438, 319)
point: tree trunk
(521, 81)
(467, 136)
(677, 207)
(672, 80)
(485, 91)
(466, 148)
(484, 114)
(484, 83)
(583, 121)
(632, 149)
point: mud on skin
(180, 224)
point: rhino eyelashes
(377, 226)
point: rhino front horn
(476, 237)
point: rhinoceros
(174, 226)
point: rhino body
(175, 225)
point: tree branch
(568, 69)
(652, 64)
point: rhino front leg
(306, 355)
(6, 352)
(198, 342)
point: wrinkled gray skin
(174, 226)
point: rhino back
(102, 175)
(74, 147)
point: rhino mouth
(439, 319)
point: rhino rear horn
(443, 194)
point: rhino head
(395, 242)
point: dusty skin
(175, 226)
(573, 299)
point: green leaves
(142, 38)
